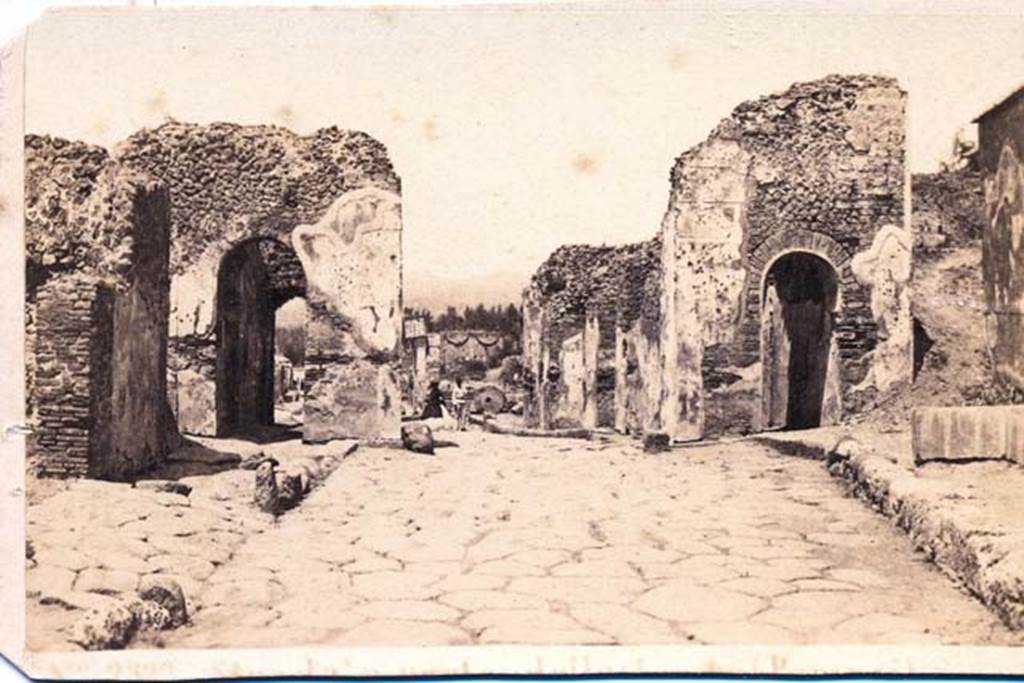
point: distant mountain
(436, 293)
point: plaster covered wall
(1001, 158)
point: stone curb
(988, 562)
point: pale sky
(513, 132)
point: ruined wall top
(806, 115)
(822, 156)
(228, 181)
(79, 210)
(618, 284)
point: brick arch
(760, 260)
(816, 243)
(799, 240)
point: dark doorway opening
(799, 297)
(255, 279)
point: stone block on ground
(418, 438)
(106, 581)
(657, 442)
(150, 615)
(105, 629)
(968, 433)
(167, 593)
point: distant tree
(291, 343)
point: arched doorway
(799, 297)
(255, 279)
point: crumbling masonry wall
(819, 169)
(788, 228)
(332, 199)
(589, 321)
(1001, 159)
(96, 311)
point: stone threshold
(967, 518)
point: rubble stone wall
(818, 169)
(1001, 158)
(580, 304)
(96, 293)
(332, 197)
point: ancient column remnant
(780, 295)
(97, 302)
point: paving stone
(626, 626)
(470, 582)
(631, 553)
(415, 610)
(579, 589)
(472, 600)
(256, 593)
(518, 618)
(373, 564)
(240, 572)
(685, 601)
(391, 585)
(861, 577)
(823, 585)
(740, 632)
(541, 558)
(106, 581)
(594, 568)
(194, 567)
(869, 628)
(759, 587)
(507, 568)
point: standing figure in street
(435, 399)
(459, 403)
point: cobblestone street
(547, 541)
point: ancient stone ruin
(154, 276)
(96, 244)
(775, 294)
(1001, 159)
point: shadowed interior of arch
(255, 279)
(800, 295)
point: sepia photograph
(594, 329)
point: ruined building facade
(780, 296)
(1000, 157)
(192, 236)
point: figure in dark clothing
(432, 405)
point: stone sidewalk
(92, 541)
(547, 541)
(967, 517)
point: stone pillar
(591, 345)
(620, 380)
